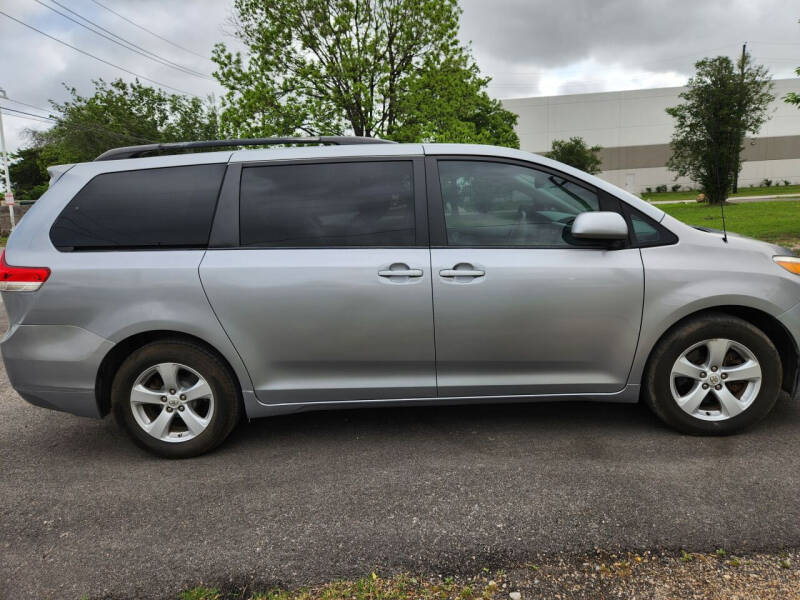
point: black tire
(657, 393)
(227, 404)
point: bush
(661, 188)
(676, 187)
(649, 190)
(787, 182)
(766, 182)
(576, 153)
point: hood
(743, 241)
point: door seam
(224, 330)
(641, 321)
(433, 325)
(430, 268)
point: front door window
(499, 204)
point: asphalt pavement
(317, 496)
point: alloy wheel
(716, 379)
(172, 402)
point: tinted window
(647, 232)
(644, 232)
(496, 204)
(328, 204)
(170, 207)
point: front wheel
(713, 375)
(175, 398)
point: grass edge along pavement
(715, 575)
(775, 190)
(776, 222)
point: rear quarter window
(171, 207)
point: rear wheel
(175, 398)
(713, 375)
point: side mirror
(600, 225)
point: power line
(124, 18)
(22, 112)
(42, 119)
(128, 45)
(55, 39)
(26, 104)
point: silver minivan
(183, 291)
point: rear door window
(364, 203)
(170, 207)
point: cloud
(35, 67)
(523, 44)
(528, 47)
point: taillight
(21, 279)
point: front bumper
(55, 366)
(791, 320)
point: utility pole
(9, 197)
(741, 91)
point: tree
(793, 97)
(116, 114)
(387, 68)
(28, 173)
(575, 153)
(722, 104)
(122, 114)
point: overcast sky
(528, 47)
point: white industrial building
(634, 131)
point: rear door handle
(462, 273)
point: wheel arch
(771, 326)
(117, 355)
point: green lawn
(747, 191)
(777, 222)
(398, 587)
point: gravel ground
(643, 575)
(309, 498)
(660, 576)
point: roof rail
(137, 151)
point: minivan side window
(364, 203)
(170, 207)
(500, 204)
(645, 232)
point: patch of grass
(599, 575)
(201, 593)
(777, 222)
(746, 191)
(398, 587)
(721, 553)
